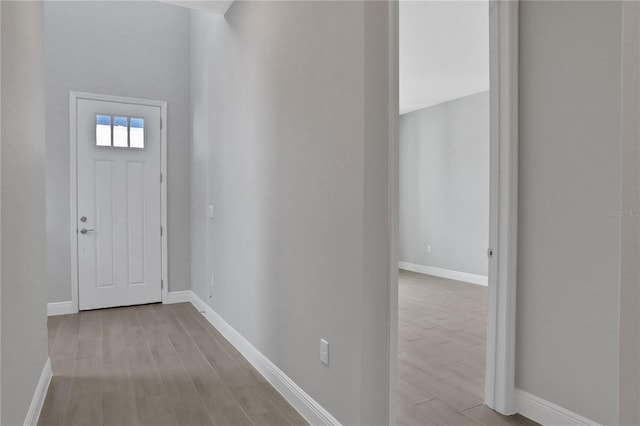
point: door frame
(503, 216)
(74, 97)
(503, 227)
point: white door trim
(73, 182)
(503, 228)
(500, 366)
(394, 207)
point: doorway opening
(118, 201)
(454, 181)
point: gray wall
(134, 49)
(24, 314)
(629, 371)
(289, 102)
(569, 259)
(444, 185)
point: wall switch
(428, 249)
(324, 352)
(210, 211)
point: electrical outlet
(210, 211)
(428, 249)
(324, 352)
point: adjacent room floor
(441, 354)
(153, 365)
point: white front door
(119, 215)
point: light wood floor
(441, 354)
(153, 365)
(166, 365)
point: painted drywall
(290, 106)
(569, 192)
(218, 7)
(133, 49)
(444, 51)
(629, 371)
(24, 312)
(444, 185)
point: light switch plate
(324, 352)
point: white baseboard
(59, 308)
(547, 413)
(178, 297)
(444, 273)
(65, 308)
(39, 395)
(313, 412)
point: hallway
(153, 365)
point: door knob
(85, 230)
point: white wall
(444, 185)
(444, 51)
(569, 248)
(289, 102)
(24, 314)
(133, 49)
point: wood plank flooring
(166, 365)
(153, 365)
(441, 354)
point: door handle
(85, 230)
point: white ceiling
(218, 7)
(444, 51)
